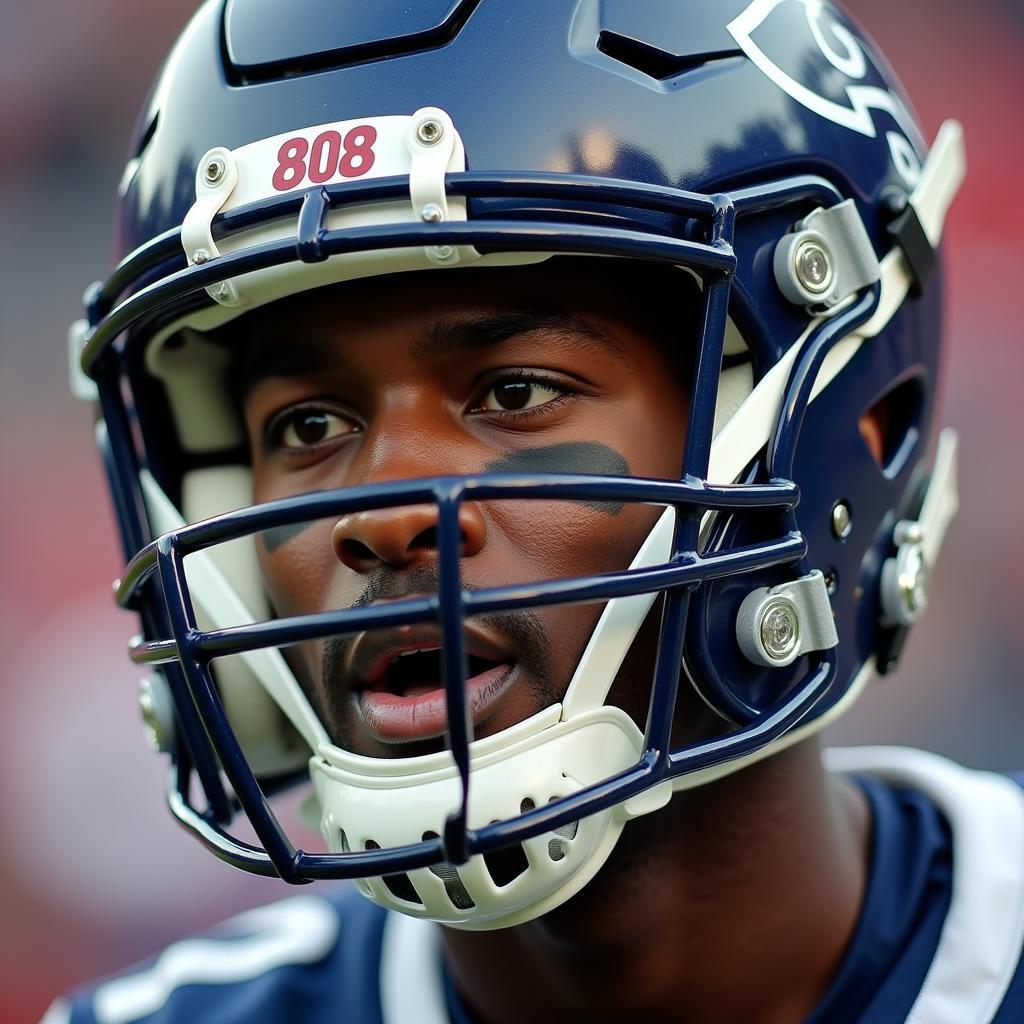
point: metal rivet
(842, 520)
(157, 716)
(913, 582)
(780, 629)
(908, 531)
(432, 213)
(214, 170)
(429, 132)
(813, 264)
(200, 256)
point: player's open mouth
(398, 681)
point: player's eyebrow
(266, 357)
(270, 356)
(489, 329)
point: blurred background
(93, 874)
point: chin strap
(906, 576)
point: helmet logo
(845, 86)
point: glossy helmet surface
(764, 146)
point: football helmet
(764, 147)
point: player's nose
(400, 537)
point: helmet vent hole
(147, 136)
(564, 834)
(398, 885)
(526, 805)
(401, 888)
(345, 848)
(567, 831)
(453, 884)
(652, 60)
(505, 866)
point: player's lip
(417, 710)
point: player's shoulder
(303, 959)
(975, 972)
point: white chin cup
(373, 802)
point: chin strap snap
(905, 576)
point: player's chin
(414, 723)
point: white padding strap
(747, 432)
(222, 607)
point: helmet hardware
(780, 629)
(775, 627)
(813, 266)
(842, 520)
(157, 709)
(214, 170)
(827, 258)
(430, 132)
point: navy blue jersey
(938, 941)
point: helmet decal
(844, 85)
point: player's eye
(519, 393)
(305, 428)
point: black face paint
(278, 535)
(569, 457)
(588, 457)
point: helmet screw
(779, 629)
(842, 520)
(214, 170)
(157, 714)
(912, 583)
(432, 213)
(813, 266)
(200, 256)
(442, 252)
(430, 132)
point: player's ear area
(872, 427)
(888, 424)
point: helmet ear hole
(891, 427)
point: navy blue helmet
(762, 150)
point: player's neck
(735, 903)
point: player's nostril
(355, 554)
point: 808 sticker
(328, 156)
(323, 154)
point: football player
(519, 420)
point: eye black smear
(278, 535)
(588, 457)
(569, 457)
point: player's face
(453, 373)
